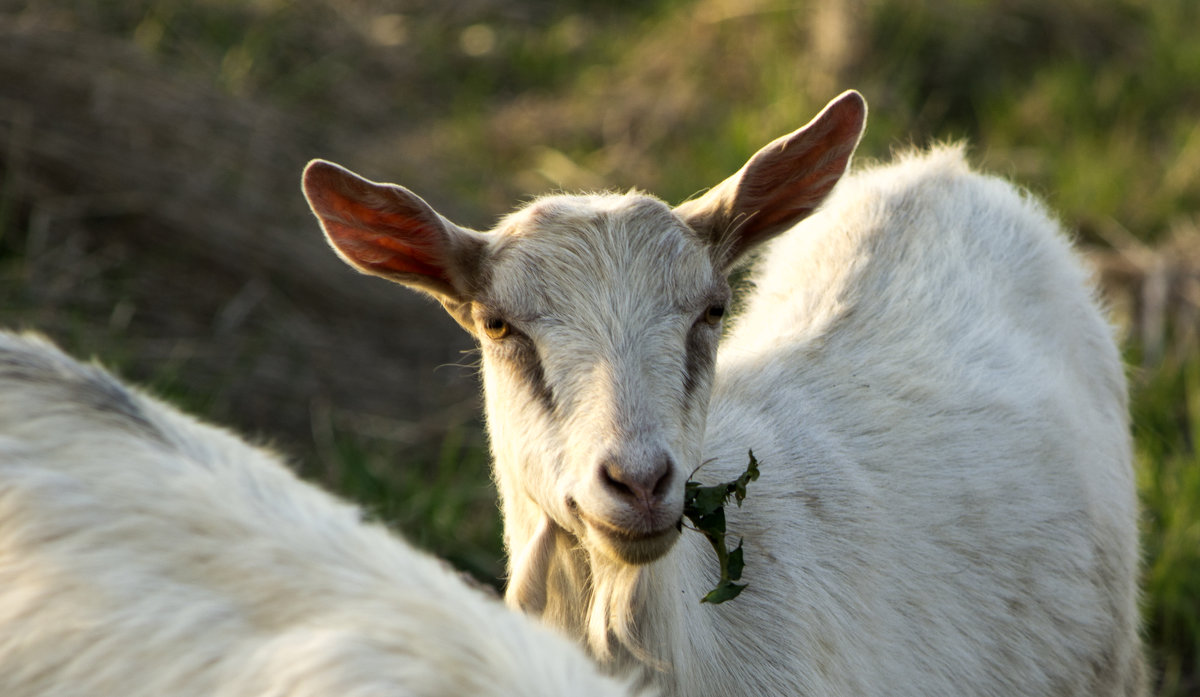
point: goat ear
(781, 184)
(386, 230)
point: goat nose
(639, 482)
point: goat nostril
(664, 481)
(611, 475)
(649, 485)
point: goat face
(599, 326)
(598, 317)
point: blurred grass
(1091, 104)
(1166, 416)
(444, 500)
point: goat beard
(555, 575)
(617, 591)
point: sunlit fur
(145, 554)
(946, 505)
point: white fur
(946, 504)
(143, 553)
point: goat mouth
(630, 546)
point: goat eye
(714, 313)
(496, 328)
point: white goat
(145, 554)
(946, 504)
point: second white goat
(145, 554)
(946, 504)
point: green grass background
(1094, 105)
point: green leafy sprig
(704, 506)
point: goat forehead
(574, 255)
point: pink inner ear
(788, 179)
(784, 203)
(382, 254)
(381, 235)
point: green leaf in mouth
(704, 506)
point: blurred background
(150, 212)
